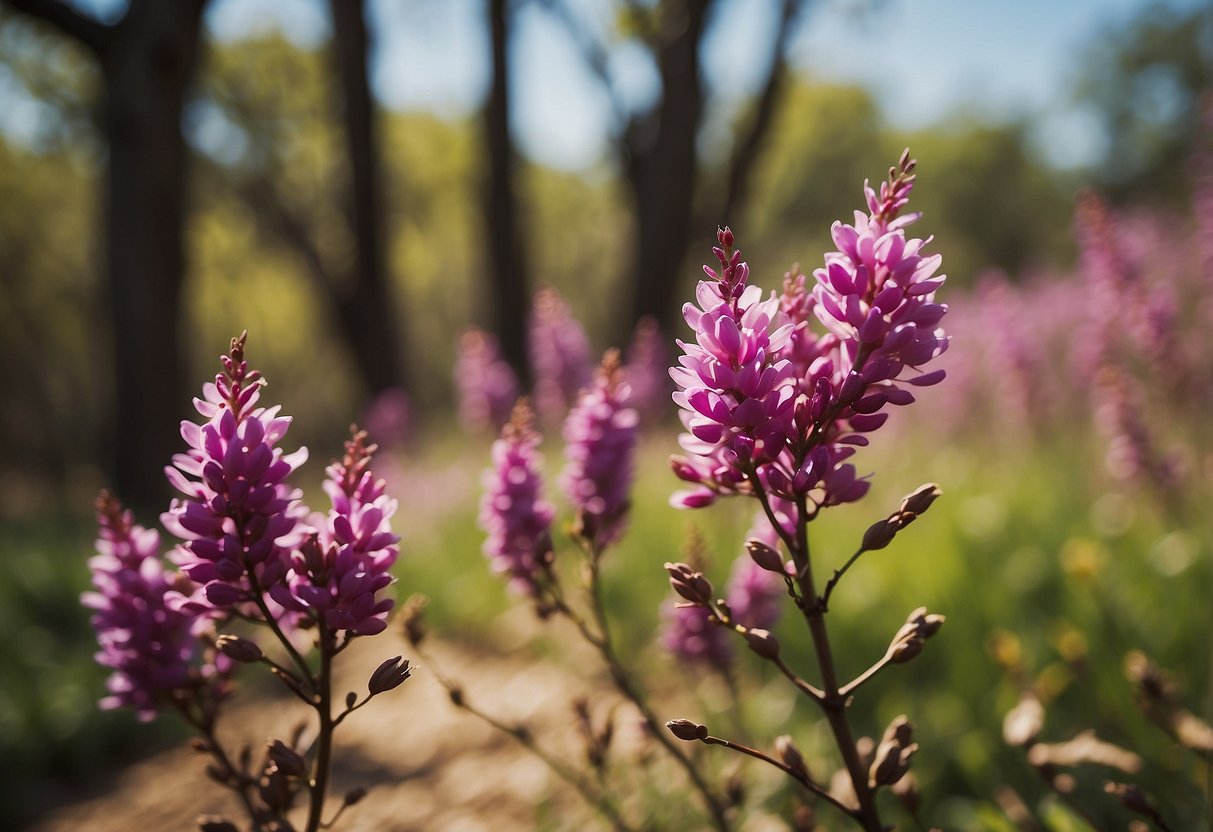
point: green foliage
(1147, 81)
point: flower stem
(625, 685)
(324, 710)
(833, 704)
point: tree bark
(662, 168)
(148, 67)
(147, 61)
(365, 311)
(508, 291)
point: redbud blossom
(600, 440)
(339, 570)
(145, 639)
(486, 385)
(513, 511)
(238, 519)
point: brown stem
(834, 705)
(799, 777)
(324, 749)
(625, 685)
(524, 738)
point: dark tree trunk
(508, 293)
(365, 311)
(147, 60)
(662, 168)
(148, 67)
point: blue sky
(923, 59)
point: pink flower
(147, 640)
(341, 567)
(485, 383)
(238, 519)
(560, 355)
(513, 511)
(600, 439)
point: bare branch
(79, 27)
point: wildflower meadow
(764, 473)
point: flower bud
(1022, 723)
(763, 642)
(288, 760)
(684, 729)
(791, 756)
(238, 649)
(910, 639)
(691, 585)
(1132, 798)
(892, 759)
(766, 557)
(391, 674)
(921, 499)
(724, 236)
(879, 535)
(414, 618)
(275, 789)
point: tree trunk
(365, 310)
(509, 296)
(148, 65)
(662, 169)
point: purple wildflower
(646, 367)
(560, 355)
(787, 408)
(600, 439)
(513, 511)
(338, 570)
(486, 384)
(734, 397)
(691, 635)
(238, 519)
(389, 419)
(754, 594)
(148, 641)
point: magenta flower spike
(486, 385)
(689, 634)
(755, 595)
(646, 367)
(560, 355)
(786, 408)
(340, 569)
(513, 511)
(146, 639)
(238, 519)
(735, 396)
(600, 441)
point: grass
(1036, 560)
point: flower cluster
(768, 402)
(559, 353)
(339, 569)
(486, 385)
(513, 511)
(238, 519)
(600, 436)
(646, 366)
(145, 638)
(752, 597)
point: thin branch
(524, 738)
(838, 573)
(799, 777)
(86, 31)
(746, 150)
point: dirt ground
(428, 766)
